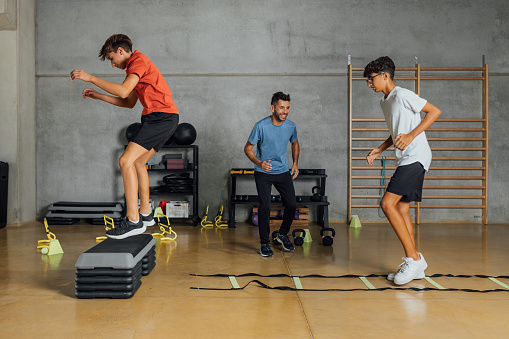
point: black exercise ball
(132, 130)
(185, 134)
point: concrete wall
(224, 59)
(17, 107)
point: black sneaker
(265, 250)
(285, 241)
(148, 220)
(126, 229)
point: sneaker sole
(281, 243)
(391, 276)
(266, 255)
(149, 223)
(128, 234)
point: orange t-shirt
(152, 90)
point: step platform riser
(114, 267)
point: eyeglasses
(370, 79)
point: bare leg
(404, 209)
(126, 162)
(143, 181)
(389, 203)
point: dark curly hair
(113, 43)
(382, 64)
(279, 96)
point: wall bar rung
(434, 158)
(432, 148)
(438, 120)
(357, 196)
(425, 187)
(368, 167)
(384, 129)
(429, 139)
(425, 178)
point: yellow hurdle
(218, 220)
(165, 229)
(204, 222)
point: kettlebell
(316, 195)
(299, 199)
(298, 240)
(273, 198)
(327, 240)
(274, 236)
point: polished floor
(37, 291)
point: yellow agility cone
(307, 238)
(355, 222)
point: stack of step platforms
(68, 213)
(114, 267)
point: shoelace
(403, 266)
(116, 230)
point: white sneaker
(409, 270)
(421, 275)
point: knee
(386, 205)
(123, 163)
(139, 164)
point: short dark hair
(382, 64)
(113, 43)
(279, 96)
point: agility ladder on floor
(298, 283)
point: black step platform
(69, 212)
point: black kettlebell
(298, 240)
(327, 240)
(316, 195)
(273, 198)
(274, 236)
(299, 199)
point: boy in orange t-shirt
(159, 120)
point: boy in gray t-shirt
(402, 108)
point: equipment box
(177, 209)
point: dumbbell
(327, 240)
(298, 240)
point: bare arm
(128, 102)
(377, 151)
(295, 157)
(264, 165)
(432, 114)
(120, 90)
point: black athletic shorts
(156, 129)
(407, 181)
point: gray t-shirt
(402, 114)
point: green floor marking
(233, 281)
(499, 282)
(367, 283)
(296, 281)
(440, 287)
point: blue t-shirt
(271, 143)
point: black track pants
(284, 185)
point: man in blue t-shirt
(271, 136)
